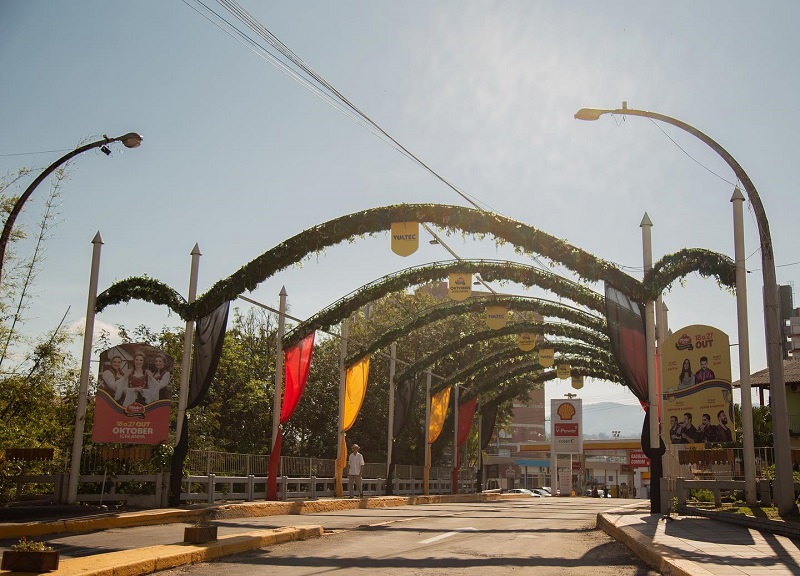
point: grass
(767, 512)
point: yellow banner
(496, 317)
(577, 382)
(547, 357)
(439, 403)
(526, 341)
(563, 371)
(355, 389)
(459, 286)
(405, 238)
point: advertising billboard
(132, 404)
(698, 399)
(566, 425)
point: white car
(541, 492)
(523, 491)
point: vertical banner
(133, 399)
(466, 413)
(496, 317)
(297, 363)
(526, 341)
(546, 357)
(439, 403)
(698, 397)
(459, 286)
(566, 420)
(355, 390)
(405, 238)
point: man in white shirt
(355, 463)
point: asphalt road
(536, 536)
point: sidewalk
(700, 546)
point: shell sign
(566, 425)
(563, 371)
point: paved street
(540, 536)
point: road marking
(446, 535)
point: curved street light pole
(784, 483)
(129, 140)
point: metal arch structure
(561, 330)
(525, 239)
(568, 351)
(490, 270)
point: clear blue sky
(238, 157)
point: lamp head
(589, 114)
(131, 140)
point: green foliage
(25, 545)
(702, 495)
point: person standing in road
(355, 463)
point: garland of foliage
(566, 350)
(477, 383)
(488, 269)
(519, 386)
(678, 265)
(451, 308)
(563, 330)
(526, 239)
(143, 288)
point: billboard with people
(698, 399)
(132, 404)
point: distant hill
(599, 420)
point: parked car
(523, 491)
(541, 492)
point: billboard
(132, 404)
(566, 425)
(698, 404)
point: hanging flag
(297, 364)
(563, 371)
(496, 317)
(355, 389)
(466, 413)
(547, 357)
(439, 403)
(459, 285)
(405, 238)
(526, 341)
(577, 382)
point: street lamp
(129, 140)
(784, 484)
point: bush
(703, 495)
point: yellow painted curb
(659, 557)
(153, 558)
(234, 510)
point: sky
(238, 156)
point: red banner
(466, 412)
(298, 363)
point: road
(531, 536)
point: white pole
(481, 478)
(80, 413)
(748, 442)
(276, 403)
(427, 429)
(650, 334)
(455, 433)
(345, 329)
(188, 335)
(392, 367)
(661, 336)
